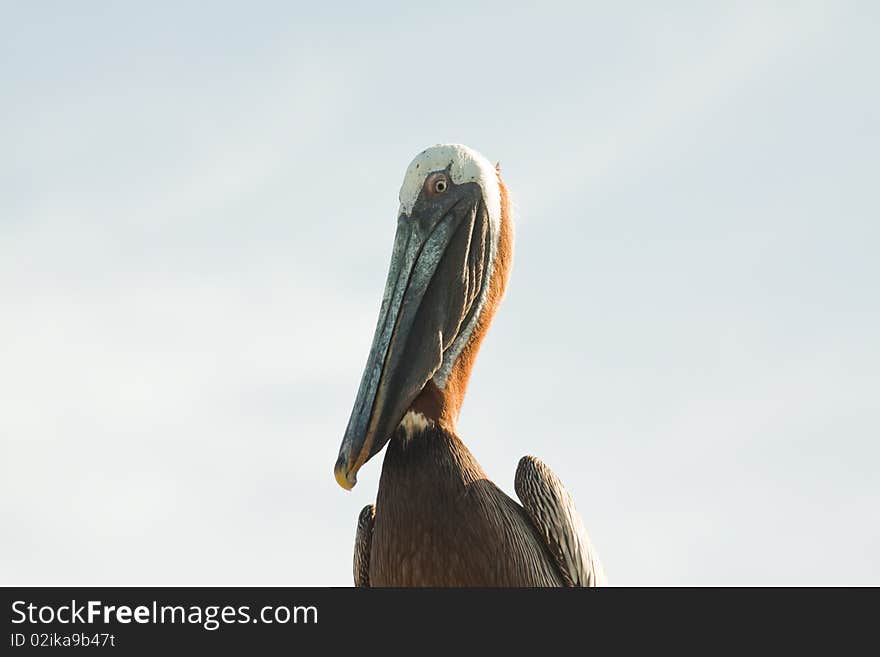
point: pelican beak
(438, 266)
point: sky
(197, 205)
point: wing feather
(363, 543)
(552, 512)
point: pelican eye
(437, 184)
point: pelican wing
(363, 542)
(552, 512)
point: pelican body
(438, 519)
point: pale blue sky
(197, 203)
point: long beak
(417, 321)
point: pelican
(438, 519)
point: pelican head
(448, 271)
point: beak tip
(343, 477)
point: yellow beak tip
(343, 479)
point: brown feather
(440, 522)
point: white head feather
(465, 165)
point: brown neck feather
(443, 406)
